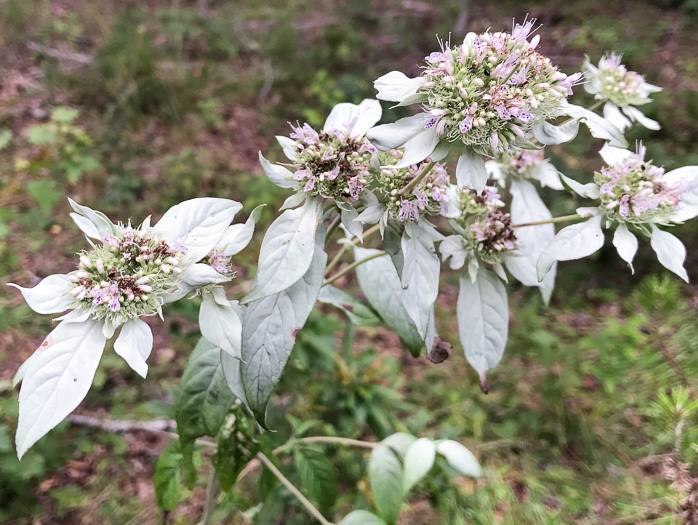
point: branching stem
(346, 247)
(351, 267)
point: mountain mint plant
(492, 102)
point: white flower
(491, 95)
(634, 195)
(129, 273)
(621, 89)
(333, 163)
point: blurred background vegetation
(130, 107)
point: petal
(390, 136)
(279, 175)
(670, 251)
(687, 178)
(612, 155)
(471, 171)
(570, 243)
(238, 236)
(626, 244)
(58, 379)
(289, 147)
(639, 116)
(356, 120)
(198, 224)
(615, 117)
(396, 86)
(50, 296)
(134, 344)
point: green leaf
(237, 446)
(5, 138)
(42, 134)
(358, 313)
(168, 478)
(318, 476)
(361, 517)
(203, 398)
(64, 115)
(419, 460)
(385, 474)
(44, 193)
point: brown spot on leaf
(294, 332)
(47, 342)
(484, 385)
(440, 350)
(348, 307)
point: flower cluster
(331, 163)
(127, 276)
(524, 165)
(486, 229)
(520, 163)
(612, 81)
(621, 89)
(487, 92)
(427, 197)
(635, 191)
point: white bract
(634, 196)
(129, 273)
(621, 90)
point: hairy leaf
(237, 446)
(358, 313)
(168, 477)
(418, 462)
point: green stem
(333, 228)
(550, 221)
(211, 495)
(297, 493)
(351, 267)
(417, 179)
(338, 441)
(346, 247)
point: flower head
(486, 230)
(428, 197)
(621, 89)
(332, 163)
(130, 275)
(633, 190)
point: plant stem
(297, 493)
(333, 228)
(564, 218)
(351, 267)
(338, 441)
(346, 247)
(417, 179)
(211, 495)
